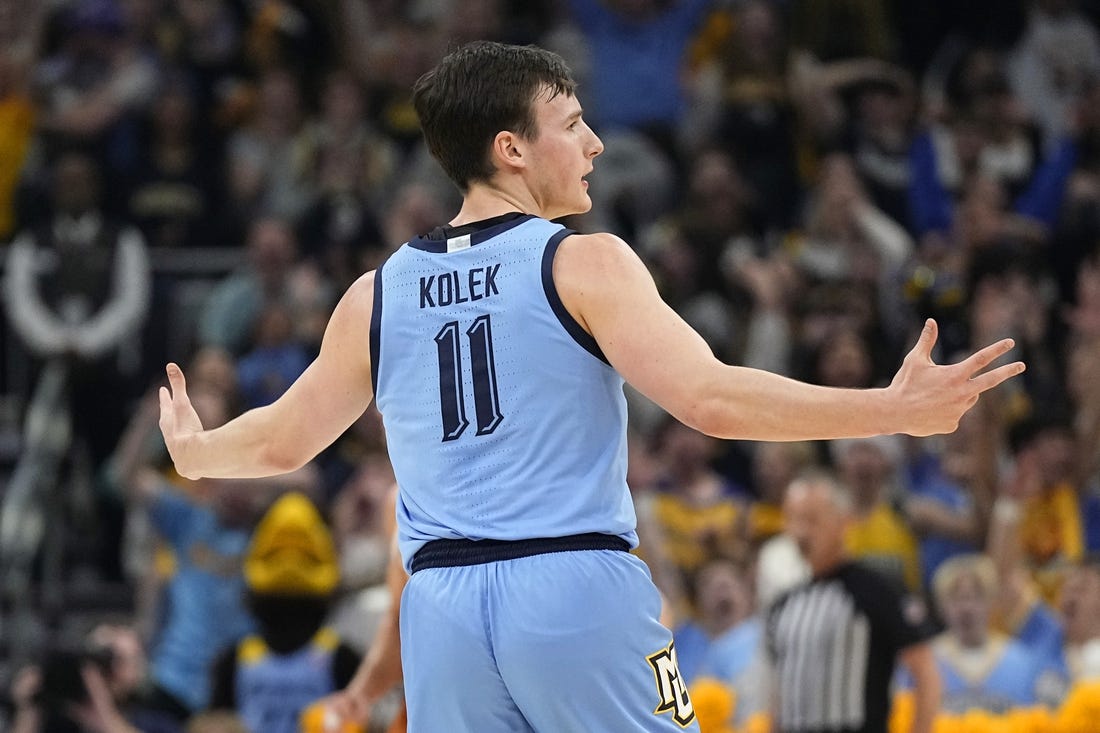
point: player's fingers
(340, 707)
(979, 360)
(345, 708)
(351, 707)
(927, 340)
(178, 382)
(355, 712)
(165, 398)
(992, 378)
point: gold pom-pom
(714, 704)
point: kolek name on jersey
(438, 291)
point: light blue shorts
(553, 643)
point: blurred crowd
(807, 180)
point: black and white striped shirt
(833, 644)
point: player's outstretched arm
(609, 291)
(283, 436)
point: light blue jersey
(1002, 675)
(205, 597)
(272, 690)
(1010, 678)
(502, 417)
(505, 423)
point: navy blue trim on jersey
(439, 246)
(460, 553)
(570, 324)
(376, 328)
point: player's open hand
(931, 398)
(179, 423)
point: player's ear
(507, 151)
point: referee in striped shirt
(833, 642)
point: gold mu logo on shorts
(671, 689)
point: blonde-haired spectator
(982, 669)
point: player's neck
(486, 200)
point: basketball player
(496, 347)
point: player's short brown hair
(477, 91)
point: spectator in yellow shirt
(774, 466)
(699, 512)
(878, 535)
(1051, 533)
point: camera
(62, 683)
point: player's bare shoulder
(354, 310)
(600, 260)
(359, 297)
(362, 290)
(591, 267)
(587, 251)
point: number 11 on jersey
(451, 400)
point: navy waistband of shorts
(455, 553)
